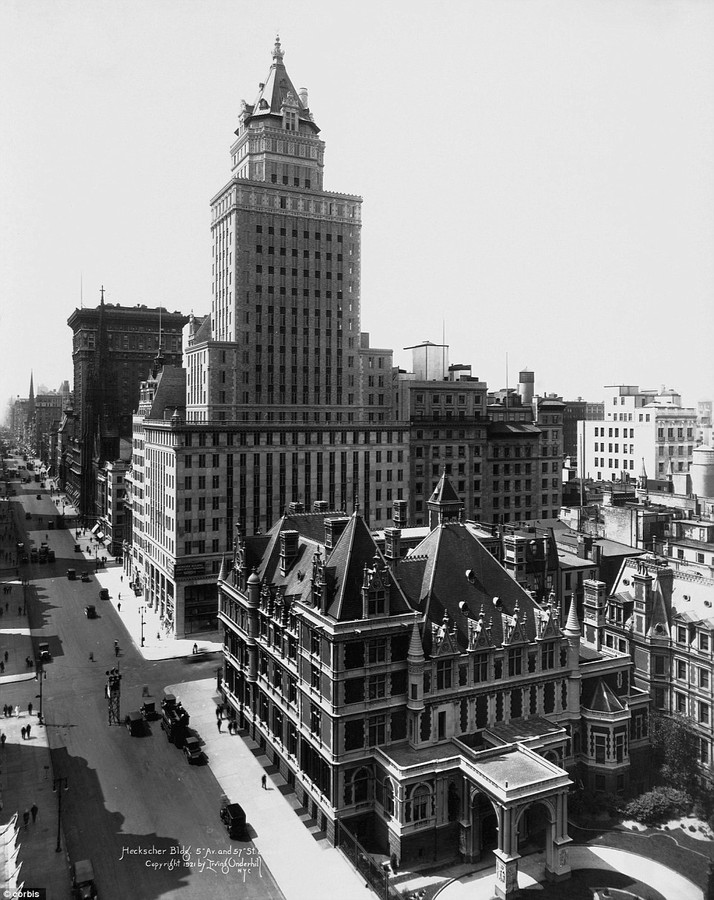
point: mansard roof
(451, 567)
(275, 90)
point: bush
(658, 805)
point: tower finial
(278, 52)
(101, 294)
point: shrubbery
(658, 805)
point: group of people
(8, 711)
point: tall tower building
(284, 341)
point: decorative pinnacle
(278, 52)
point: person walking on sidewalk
(34, 810)
(22, 732)
(3, 738)
(27, 731)
(219, 723)
(29, 708)
(118, 607)
(264, 782)
(26, 817)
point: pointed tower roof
(603, 699)
(278, 90)
(416, 650)
(444, 491)
(572, 626)
(224, 570)
(444, 504)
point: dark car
(104, 594)
(83, 886)
(233, 817)
(39, 497)
(71, 574)
(135, 723)
(85, 576)
(192, 749)
(90, 612)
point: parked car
(83, 886)
(135, 723)
(104, 594)
(39, 497)
(233, 817)
(28, 515)
(148, 710)
(72, 574)
(44, 649)
(90, 612)
(192, 749)
(85, 576)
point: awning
(96, 528)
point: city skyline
(528, 170)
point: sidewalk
(25, 765)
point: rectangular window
(443, 674)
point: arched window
(419, 803)
(357, 786)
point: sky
(537, 175)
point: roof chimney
(288, 549)
(333, 530)
(302, 94)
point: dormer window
(290, 120)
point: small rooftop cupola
(444, 504)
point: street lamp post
(58, 785)
(142, 610)
(40, 675)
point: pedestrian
(3, 738)
(118, 607)
(26, 817)
(2, 666)
(219, 723)
(17, 711)
(116, 649)
(28, 728)
(195, 648)
(4, 710)
(264, 782)
(22, 732)
(218, 712)
(120, 595)
(34, 810)
(121, 578)
(29, 708)
(91, 656)
(6, 655)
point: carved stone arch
(546, 801)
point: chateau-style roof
(170, 392)
(344, 565)
(451, 566)
(276, 90)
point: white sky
(538, 177)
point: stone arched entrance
(514, 779)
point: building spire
(278, 52)
(572, 626)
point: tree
(676, 749)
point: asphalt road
(147, 819)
